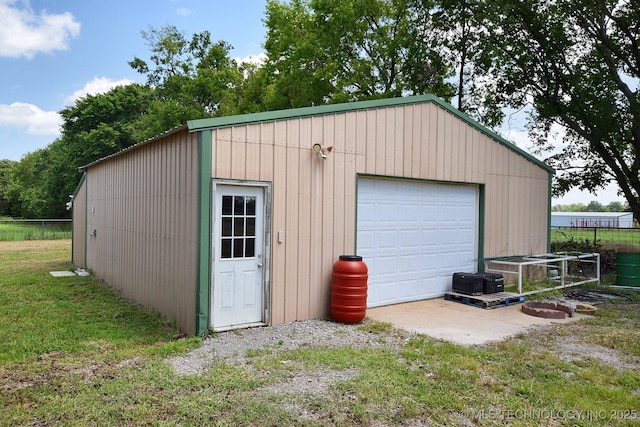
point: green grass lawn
(74, 353)
(33, 230)
(619, 240)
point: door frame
(266, 245)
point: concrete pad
(460, 323)
(62, 273)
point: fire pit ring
(547, 310)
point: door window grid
(238, 222)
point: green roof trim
(77, 190)
(270, 116)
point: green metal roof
(270, 116)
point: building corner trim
(203, 276)
(549, 196)
(481, 224)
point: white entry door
(238, 241)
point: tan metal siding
(314, 200)
(143, 205)
(431, 134)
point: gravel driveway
(232, 346)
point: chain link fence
(35, 229)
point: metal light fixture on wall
(322, 150)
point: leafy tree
(100, 125)
(27, 197)
(453, 24)
(95, 127)
(252, 94)
(190, 79)
(5, 173)
(575, 64)
(595, 206)
(324, 51)
(615, 207)
(575, 207)
(186, 79)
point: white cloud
(258, 59)
(94, 87)
(30, 119)
(24, 33)
(33, 120)
(183, 11)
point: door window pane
(225, 250)
(238, 227)
(238, 205)
(226, 226)
(251, 206)
(250, 248)
(226, 205)
(251, 227)
(238, 248)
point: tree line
(573, 65)
(592, 206)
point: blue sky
(55, 51)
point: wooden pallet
(500, 299)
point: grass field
(34, 230)
(618, 240)
(74, 353)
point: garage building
(236, 221)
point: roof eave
(82, 169)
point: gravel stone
(232, 346)
(571, 350)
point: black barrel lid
(350, 258)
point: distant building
(592, 219)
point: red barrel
(349, 289)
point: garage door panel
(367, 239)
(428, 237)
(408, 262)
(463, 210)
(385, 211)
(408, 288)
(418, 235)
(387, 239)
(410, 240)
(430, 213)
(410, 212)
(386, 265)
(429, 267)
(433, 287)
(386, 292)
(366, 213)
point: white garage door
(413, 236)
